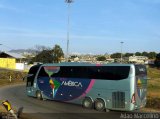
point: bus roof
(85, 64)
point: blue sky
(96, 26)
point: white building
(138, 59)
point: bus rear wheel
(39, 95)
(87, 103)
(99, 105)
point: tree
(145, 54)
(152, 55)
(45, 56)
(157, 61)
(57, 53)
(128, 54)
(116, 55)
(138, 54)
(39, 48)
(101, 58)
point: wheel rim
(86, 103)
(99, 105)
(38, 95)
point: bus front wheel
(99, 105)
(39, 95)
(87, 103)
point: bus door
(141, 85)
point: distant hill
(23, 51)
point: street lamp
(121, 50)
(68, 25)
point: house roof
(10, 54)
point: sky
(96, 26)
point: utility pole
(121, 51)
(68, 27)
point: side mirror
(29, 75)
(24, 78)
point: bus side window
(33, 70)
(72, 72)
(109, 72)
(122, 72)
(63, 72)
(79, 72)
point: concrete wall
(20, 66)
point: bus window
(109, 72)
(64, 72)
(72, 72)
(122, 72)
(42, 73)
(31, 75)
(79, 72)
(140, 70)
(94, 72)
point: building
(138, 59)
(11, 60)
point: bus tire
(39, 95)
(87, 103)
(99, 105)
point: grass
(153, 87)
(153, 73)
(152, 110)
(153, 90)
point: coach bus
(99, 86)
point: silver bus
(99, 86)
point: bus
(120, 87)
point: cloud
(30, 33)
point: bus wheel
(39, 95)
(87, 103)
(99, 105)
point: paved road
(45, 109)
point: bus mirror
(29, 75)
(24, 78)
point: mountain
(23, 51)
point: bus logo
(54, 84)
(72, 83)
